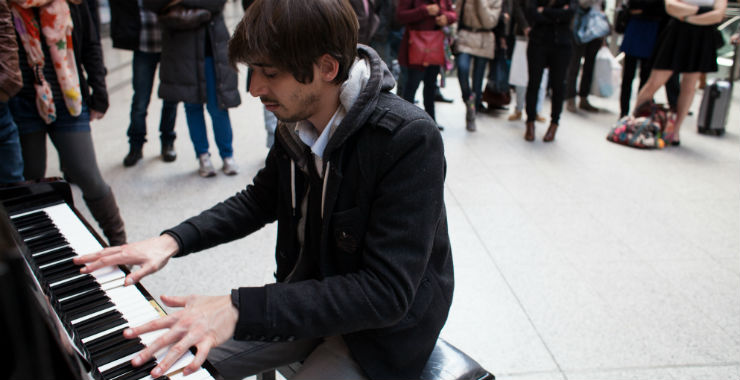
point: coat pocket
(348, 230)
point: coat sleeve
(92, 60)
(449, 11)
(405, 213)
(11, 80)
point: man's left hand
(204, 322)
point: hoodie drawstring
(323, 188)
(292, 185)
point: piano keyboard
(94, 308)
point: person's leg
(32, 135)
(221, 122)
(331, 360)
(77, 156)
(542, 91)
(672, 89)
(628, 75)
(479, 70)
(197, 127)
(645, 66)
(688, 87)
(589, 61)
(574, 66)
(559, 61)
(536, 65)
(239, 359)
(656, 80)
(463, 74)
(521, 93)
(430, 88)
(144, 66)
(411, 84)
(11, 159)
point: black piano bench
(445, 363)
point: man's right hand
(151, 255)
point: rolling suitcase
(715, 104)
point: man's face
(282, 94)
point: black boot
(105, 212)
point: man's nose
(255, 85)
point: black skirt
(687, 48)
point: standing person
(135, 28)
(474, 46)
(647, 19)
(355, 180)
(550, 45)
(586, 51)
(195, 70)
(521, 30)
(422, 15)
(11, 160)
(63, 90)
(688, 46)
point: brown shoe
(529, 134)
(570, 105)
(586, 106)
(550, 134)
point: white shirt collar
(308, 134)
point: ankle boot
(550, 134)
(470, 113)
(105, 211)
(529, 134)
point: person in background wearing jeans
(11, 160)
(135, 28)
(474, 47)
(195, 70)
(588, 52)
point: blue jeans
(464, 61)
(144, 68)
(11, 160)
(219, 118)
(414, 77)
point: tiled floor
(578, 259)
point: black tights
(556, 57)
(76, 156)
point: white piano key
(104, 333)
(116, 362)
(66, 280)
(93, 315)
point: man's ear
(328, 67)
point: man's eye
(270, 75)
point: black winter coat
(383, 277)
(182, 66)
(125, 24)
(554, 25)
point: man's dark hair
(292, 35)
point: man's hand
(205, 322)
(735, 39)
(433, 9)
(151, 255)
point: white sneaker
(230, 167)
(205, 167)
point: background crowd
(54, 89)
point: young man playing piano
(355, 181)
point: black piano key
(80, 298)
(59, 266)
(101, 325)
(48, 242)
(45, 228)
(54, 255)
(115, 353)
(30, 219)
(98, 321)
(55, 275)
(89, 309)
(71, 287)
(139, 372)
(39, 238)
(109, 340)
(126, 368)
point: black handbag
(176, 17)
(621, 19)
